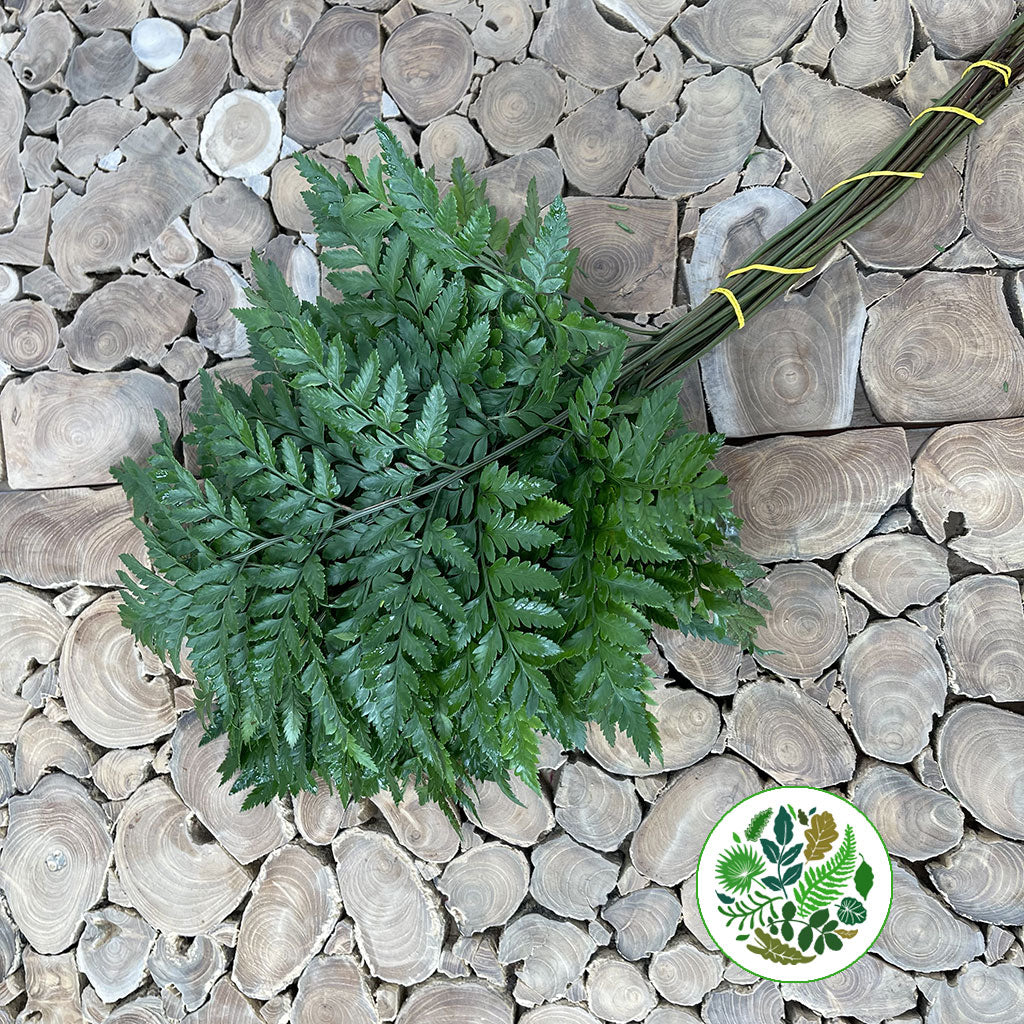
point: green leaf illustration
(771, 851)
(846, 933)
(738, 867)
(832, 940)
(864, 879)
(801, 817)
(820, 836)
(792, 874)
(823, 884)
(805, 937)
(851, 911)
(789, 910)
(783, 827)
(776, 950)
(758, 824)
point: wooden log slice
(334, 988)
(423, 829)
(684, 972)
(571, 880)
(123, 212)
(31, 634)
(102, 65)
(61, 537)
(53, 991)
(979, 995)
(91, 131)
(507, 181)
(90, 17)
(442, 1001)
(599, 145)
(319, 816)
(226, 1005)
(504, 30)
(710, 666)
(978, 749)
(43, 50)
(10, 284)
(174, 250)
(825, 131)
(426, 65)
(894, 572)
(157, 43)
(934, 347)
(719, 126)
(629, 268)
(917, 823)
(983, 879)
(877, 42)
(222, 289)
(769, 27)
(112, 951)
(44, 744)
(195, 771)
(869, 989)
(990, 199)
(269, 34)
(129, 318)
(231, 221)
(519, 105)
(802, 352)
(54, 861)
(761, 1004)
(689, 724)
(983, 623)
(484, 886)
(108, 695)
(449, 137)
(920, 934)
(295, 895)
(119, 773)
(189, 87)
(644, 921)
(975, 471)
(550, 955)
(286, 187)
(241, 134)
(559, 1013)
(958, 28)
(145, 1010)
(178, 883)
(505, 819)
(25, 245)
(805, 745)
(186, 970)
(805, 623)
(573, 37)
(12, 119)
(398, 921)
(667, 845)
(814, 497)
(895, 683)
(53, 437)
(618, 990)
(661, 84)
(28, 334)
(594, 808)
(334, 88)
(665, 1014)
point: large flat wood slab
(627, 260)
(814, 497)
(268, 35)
(983, 879)
(56, 538)
(971, 477)
(66, 430)
(961, 27)
(827, 130)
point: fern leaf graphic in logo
(823, 885)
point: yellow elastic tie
(1004, 69)
(951, 110)
(771, 269)
(875, 174)
(733, 302)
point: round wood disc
(28, 334)
(983, 879)
(449, 137)
(241, 134)
(519, 105)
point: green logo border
(773, 789)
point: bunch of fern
(436, 527)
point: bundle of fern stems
(444, 517)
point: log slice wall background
(875, 424)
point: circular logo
(794, 884)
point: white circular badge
(794, 884)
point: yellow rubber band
(1004, 69)
(771, 269)
(734, 302)
(875, 174)
(951, 110)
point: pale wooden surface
(875, 447)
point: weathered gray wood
(644, 921)
(519, 105)
(983, 879)
(979, 995)
(684, 973)
(595, 808)
(571, 880)
(550, 955)
(960, 27)
(876, 44)
(894, 572)
(484, 886)
(869, 989)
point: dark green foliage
(434, 528)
